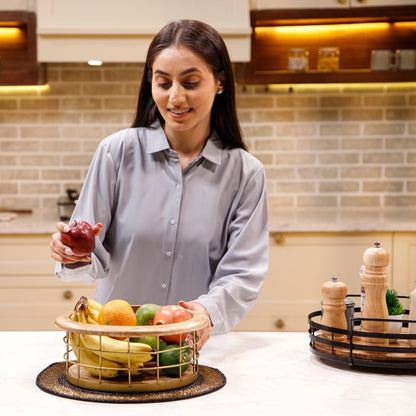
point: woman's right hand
(62, 253)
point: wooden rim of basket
(197, 321)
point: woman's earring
(220, 92)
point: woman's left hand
(204, 333)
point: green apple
(152, 341)
(146, 313)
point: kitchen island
(265, 371)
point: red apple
(80, 238)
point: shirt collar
(212, 150)
(156, 139)
(158, 142)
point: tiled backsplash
(322, 146)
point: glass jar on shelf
(298, 59)
(328, 59)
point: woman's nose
(176, 94)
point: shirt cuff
(217, 321)
(82, 273)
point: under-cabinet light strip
(343, 87)
(24, 89)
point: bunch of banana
(96, 365)
(91, 309)
(103, 355)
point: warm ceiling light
(95, 62)
(9, 33)
(404, 25)
(10, 23)
(319, 29)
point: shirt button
(178, 187)
(168, 253)
(163, 285)
(172, 221)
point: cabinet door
(31, 296)
(404, 272)
(326, 4)
(25, 254)
(25, 307)
(374, 3)
(298, 4)
(299, 264)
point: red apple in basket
(170, 314)
(80, 238)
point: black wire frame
(391, 356)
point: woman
(182, 203)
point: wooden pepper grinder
(375, 282)
(333, 306)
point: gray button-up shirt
(169, 234)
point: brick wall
(326, 146)
(335, 146)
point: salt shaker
(333, 305)
(375, 282)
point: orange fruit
(117, 312)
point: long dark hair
(206, 42)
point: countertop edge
(280, 221)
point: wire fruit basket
(152, 373)
(358, 348)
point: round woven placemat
(52, 380)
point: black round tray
(397, 354)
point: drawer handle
(68, 295)
(280, 324)
(278, 238)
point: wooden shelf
(18, 51)
(274, 17)
(361, 31)
(342, 76)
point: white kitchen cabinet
(375, 3)
(299, 263)
(326, 4)
(296, 4)
(31, 296)
(404, 266)
(78, 30)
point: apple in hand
(80, 238)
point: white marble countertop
(336, 220)
(306, 220)
(265, 371)
(35, 223)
